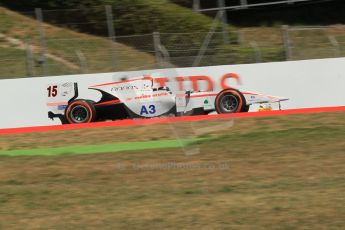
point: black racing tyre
(230, 101)
(80, 111)
(245, 109)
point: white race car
(138, 98)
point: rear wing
(59, 96)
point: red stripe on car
(109, 102)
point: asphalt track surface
(152, 121)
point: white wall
(310, 83)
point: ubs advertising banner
(309, 83)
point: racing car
(139, 98)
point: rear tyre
(245, 109)
(80, 111)
(230, 101)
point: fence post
(258, 55)
(111, 34)
(286, 42)
(29, 58)
(42, 59)
(157, 43)
(335, 44)
(196, 5)
(82, 61)
(244, 4)
(224, 19)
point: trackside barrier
(307, 84)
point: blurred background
(44, 38)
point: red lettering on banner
(195, 79)
(180, 83)
(235, 76)
(161, 81)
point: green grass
(101, 148)
(16, 64)
(14, 61)
(305, 44)
(316, 133)
(278, 173)
(65, 44)
(97, 51)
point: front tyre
(80, 111)
(230, 101)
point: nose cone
(278, 99)
(253, 98)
